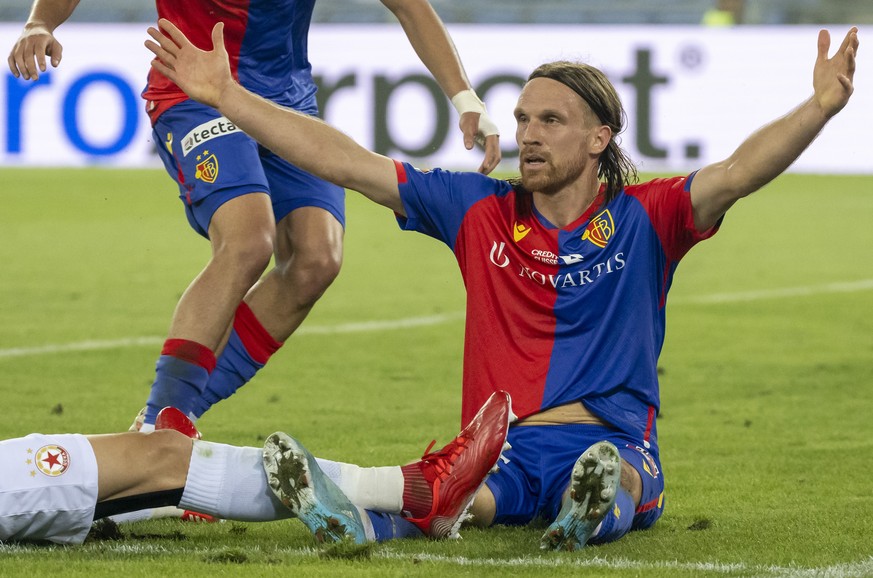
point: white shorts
(48, 488)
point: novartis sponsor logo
(577, 278)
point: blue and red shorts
(213, 162)
(531, 484)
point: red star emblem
(52, 460)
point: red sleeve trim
(401, 172)
(668, 204)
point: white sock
(379, 489)
(230, 483)
(147, 428)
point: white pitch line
(763, 294)
(81, 346)
(859, 569)
(428, 320)
(342, 328)
(369, 326)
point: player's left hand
(832, 77)
(479, 128)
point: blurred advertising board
(692, 94)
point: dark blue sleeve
(436, 201)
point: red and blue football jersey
(559, 315)
(266, 41)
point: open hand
(832, 77)
(203, 75)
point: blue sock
(248, 349)
(618, 522)
(178, 383)
(234, 369)
(392, 526)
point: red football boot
(439, 488)
(172, 418)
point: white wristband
(468, 101)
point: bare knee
(308, 274)
(244, 259)
(632, 482)
(243, 234)
(309, 253)
(484, 508)
(312, 274)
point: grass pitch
(767, 382)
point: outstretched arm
(772, 148)
(27, 57)
(303, 140)
(434, 46)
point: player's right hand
(27, 58)
(202, 74)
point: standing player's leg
(226, 198)
(241, 236)
(309, 244)
(309, 248)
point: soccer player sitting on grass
(567, 270)
(54, 486)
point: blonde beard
(548, 183)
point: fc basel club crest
(207, 170)
(52, 460)
(600, 229)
